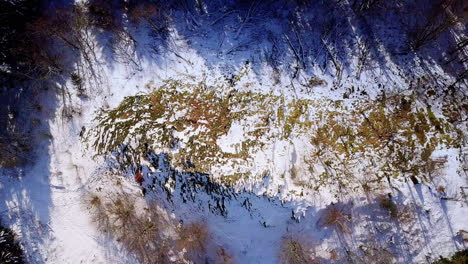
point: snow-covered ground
(46, 205)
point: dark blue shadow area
(29, 94)
(194, 196)
(25, 190)
(298, 36)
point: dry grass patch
(223, 256)
(375, 254)
(294, 251)
(149, 234)
(141, 231)
(194, 238)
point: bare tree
(438, 19)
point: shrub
(441, 189)
(335, 216)
(10, 250)
(35, 52)
(365, 5)
(293, 251)
(195, 241)
(140, 233)
(460, 257)
(77, 82)
(138, 11)
(401, 212)
(334, 256)
(13, 149)
(105, 14)
(156, 17)
(388, 204)
(406, 214)
(63, 31)
(223, 257)
(315, 81)
(376, 254)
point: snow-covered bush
(10, 250)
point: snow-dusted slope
(280, 187)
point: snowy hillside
(206, 131)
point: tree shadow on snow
(317, 38)
(29, 98)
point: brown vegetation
(223, 257)
(441, 189)
(194, 238)
(155, 16)
(387, 203)
(292, 251)
(11, 251)
(375, 254)
(148, 234)
(335, 216)
(105, 14)
(13, 149)
(139, 177)
(140, 233)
